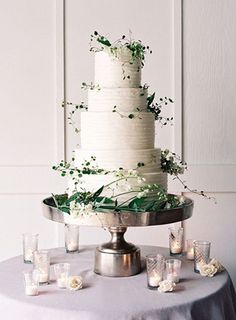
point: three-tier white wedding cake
(117, 129)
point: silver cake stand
(118, 258)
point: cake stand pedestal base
(117, 258)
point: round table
(103, 298)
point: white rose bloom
(207, 270)
(217, 265)
(74, 283)
(166, 286)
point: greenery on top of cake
(137, 49)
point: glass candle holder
(155, 268)
(71, 238)
(189, 249)
(31, 283)
(62, 271)
(42, 264)
(201, 254)
(176, 241)
(30, 244)
(173, 269)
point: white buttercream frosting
(122, 158)
(112, 137)
(94, 182)
(125, 99)
(119, 71)
(109, 131)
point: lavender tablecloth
(104, 298)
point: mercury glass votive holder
(30, 244)
(62, 271)
(31, 280)
(155, 264)
(201, 254)
(176, 241)
(71, 238)
(42, 265)
(173, 269)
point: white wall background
(44, 59)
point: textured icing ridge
(125, 99)
(94, 182)
(107, 130)
(120, 71)
(126, 159)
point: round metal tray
(118, 258)
(123, 218)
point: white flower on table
(74, 283)
(207, 270)
(217, 265)
(210, 269)
(166, 286)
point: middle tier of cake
(111, 131)
(120, 99)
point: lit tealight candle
(176, 248)
(172, 277)
(29, 255)
(31, 290)
(43, 277)
(154, 280)
(62, 280)
(72, 246)
(190, 254)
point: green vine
(75, 107)
(137, 48)
(135, 115)
(156, 108)
(172, 164)
(90, 86)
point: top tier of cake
(119, 70)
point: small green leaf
(150, 99)
(97, 193)
(73, 197)
(149, 206)
(64, 209)
(104, 41)
(136, 203)
(104, 200)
